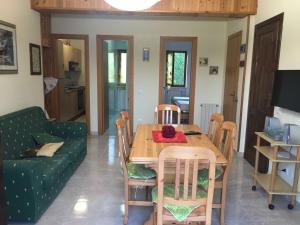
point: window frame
(185, 68)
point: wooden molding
(230, 8)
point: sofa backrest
(16, 130)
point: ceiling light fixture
(131, 5)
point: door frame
(100, 76)
(85, 38)
(194, 40)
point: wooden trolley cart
(272, 183)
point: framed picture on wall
(35, 59)
(146, 54)
(8, 48)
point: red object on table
(158, 137)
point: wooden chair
(129, 181)
(226, 143)
(125, 116)
(167, 113)
(187, 162)
(215, 124)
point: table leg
(296, 178)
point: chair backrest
(187, 162)
(123, 146)
(167, 113)
(125, 116)
(215, 122)
(226, 139)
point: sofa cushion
(48, 150)
(72, 148)
(46, 138)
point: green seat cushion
(45, 138)
(180, 213)
(203, 176)
(139, 171)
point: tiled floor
(93, 196)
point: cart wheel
(253, 188)
(290, 206)
(271, 206)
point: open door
(232, 76)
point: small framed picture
(35, 59)
(8, 49)
(243, 48)
(146, 54)
(213, 70)
(203, 61)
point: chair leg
(126, 198)
(223, 205)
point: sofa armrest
(23, 187)
(68, 129)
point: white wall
(289, 58)
(211, 43)
(21, 90)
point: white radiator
(206, 111)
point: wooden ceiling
(219, 8)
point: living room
(92, 192)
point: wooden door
(2, 201)
(265, 61)
(232, 76)
(105, 86)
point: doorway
(71, 54)
(232, 77)
(266, 51)
(115, 80)
(178, 73)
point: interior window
(123, 67)
(111, 67)
(176, 68)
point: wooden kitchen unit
(228, 8)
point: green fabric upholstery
(139, 171)
(32, 184)
(180, 213)
(45, 138)
(203, 176)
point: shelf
(269, 153)
(280, 186)
(273, 142)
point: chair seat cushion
(139, 171)
(203, 176)
(180, 213)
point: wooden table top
(146, 151)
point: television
(286, 90)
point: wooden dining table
(146, 151)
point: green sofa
(31, 184)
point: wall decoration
(35, 59)
(242, 63)
(203, 61)
(213, 70)
(243, 48)
(146, 54)
(8, 48)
